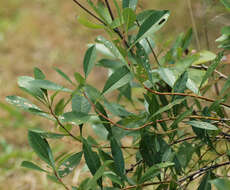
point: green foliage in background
(179, 135)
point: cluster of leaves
(178, 134)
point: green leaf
(226, 86)
(132, 4)
(89, 60)
(118, 79)
(38, 74)
(41, 147)
(106, 124)
(211, 68)
(79, 78)
(117, 157)
(48, 135)
(205, 184)
(24, 84)
(30, 165)
(91, 158)
(80, 104)
(129, 18)
(21, 103)
(64, 75)
(69, 164)
(76, 117)
(205, 56)
(202, 125)
(114, 178)
(26, 105)
(92, 183)
(221, 184)
(112, 48)
(167, 75)
(180, 84)
(59, 107)
(144, 61)
(168, 107)
(88, 24)
(48, 85)
(154, 171)
(226, 3)
(152, 24)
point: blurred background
(46, 34)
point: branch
(201, 171)
(183, 94)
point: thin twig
(110, 11)
(89, 12)
(183, 94)
(201, 171)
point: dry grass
(45, 34)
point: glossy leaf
(89, 60)
(48, 85)
(80, 104)
(41, 147)
(24, 84)
(118, 157)
(132, 4)
(118, 79)
(202, 125)
(205, 56)
(111, 47)
(152, 24)
(91, 158)
(69, 164)
(75, 117)
(211, 68)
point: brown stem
(183, 94)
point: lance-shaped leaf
(152, 24)
(48, 85)
(129, 18)
(111, 47)
(41, 147)
(31, 165)
(38, 74)
(64, 75)
(154, 171)
(168, 107)
(132, 4)
(69, 164)
(211, 68)
(89, 60)
(24, 84)
(118, 79)
(91, 158)
(202, 125)
(117, 157)
(92, 183)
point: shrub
(179, 135)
